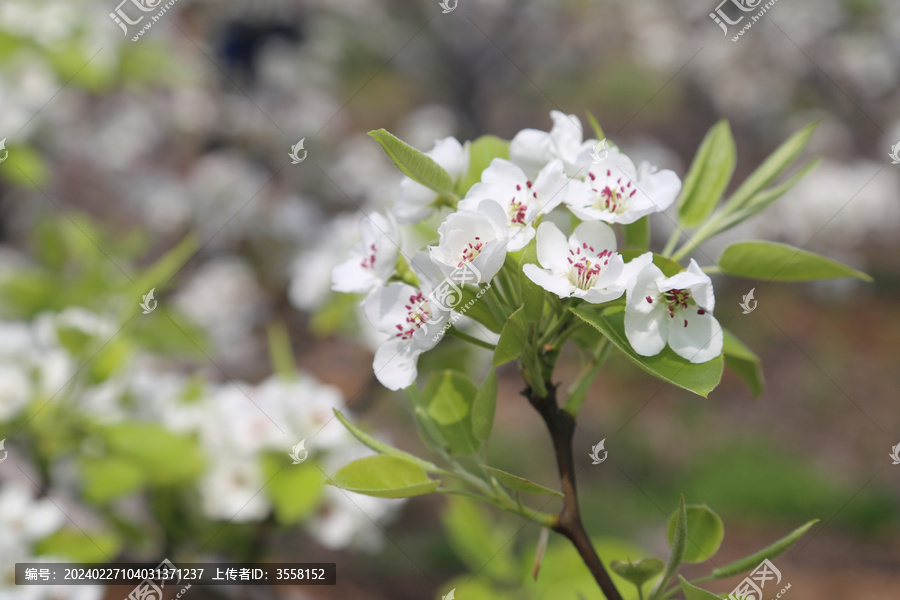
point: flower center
(614, 196)
(418, 312)
(518, 206)
(369, 261)
(678, 300)
(471, 251)
(586, 265)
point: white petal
(413, 202)
(450, 154)
(531, 150)
(660, 187)
(596, 234)
(630, 271)
(700, 340)
(503, 172)
(555, 284)
(551, 187)
(552, 248)
(395, 364)
(566, 134)
(350, 277)
(520, 238)
(645, 330)
(646, 284)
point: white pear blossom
(476, 239)
(524, 201)
(584, 266)
(531, 149)
(675, 310)
(414, 200)
(412, 319)
(612, 190)
(233, 489)
(372, 261)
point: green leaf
(532, 293)
(481, 152)
(751, 562)
(744, 363)
(700, 379)
(706, 532)
(595, 125)
(708, 176)
(779, 262)
(24, 167)
(294, 490)
(640, 572)
(692, 592)
(106, 478)
(381, 447)
(164, 457)
(416, 165)
(484, 406)
(777, 162)
(512, 341)
(478, 310)
(280, 352)
(385, 477)
(80, 545)
(520, 484)
(760, 201)
(637, 234)
(678, 545)
(448, 397)
(479, 540)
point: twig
(561, 426)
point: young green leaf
(759, 201)
(595, 125)
(381, 447)
(481, 152)
(532, 293)
(637, 234)
(520, 484)
(280, 352)
(706, 533)
(448, 398)
(692, 592)
(294, 490)
(700, 379)
(779, 262)
(384, 477)
(751, 562)
(483, 407)
(771, 168)
(640, 572)
(416, 165)
(744, 363)
(708, 176)
(678, 544)
(512, 339)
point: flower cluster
(513, 207)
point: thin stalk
(670, 245)
(455, 332)
(561, 426)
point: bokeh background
(163, 164)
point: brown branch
(561, 426)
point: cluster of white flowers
(24, 520)
(502, 214)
